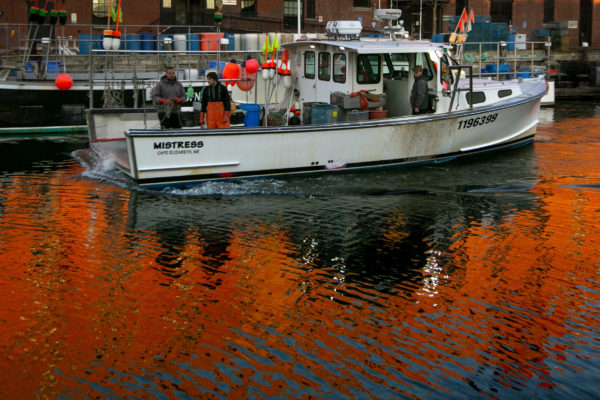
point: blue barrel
(161, 41)
(323, 114)
(193, 40)
(231, 38)
(132, 42)
(147, 41)
(53, 66)
(524, 73)
(85, 43)
(510, 45)
(252, 117)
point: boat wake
(102, 169)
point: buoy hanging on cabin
(53, 16)
(107, 36)
(284, 70)
(247, 79)
(273, 63)
(62, 15)
(34, 13)
(231, 70)
(251, 66)
(266, 65)
(42, 15)
(63, 81)
(116, 35)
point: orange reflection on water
(88, 299)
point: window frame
(250, 9)
(359, 73)
(314, 65)
(322, 68)
(336, 77)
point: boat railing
(32, 52)
(507, 60)
(455, 89)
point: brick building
(569, 23)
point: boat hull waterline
(159, 158)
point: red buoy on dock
(63, 81)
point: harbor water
(476, 278)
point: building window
(310, 9)
(339, 67)
(501, 11)
(362, 3)
(309, 65)
(100, 12)
(548, 11)
(249, 7)
(290, 14)
(368, 68)
(324, 67)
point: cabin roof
(373, 46)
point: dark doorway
(585, 28)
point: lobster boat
(345, 106)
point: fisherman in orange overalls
(215, 103)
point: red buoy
(63, 81)
(252, 66)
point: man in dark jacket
(419, 95)
(168, 95)
(216, 105)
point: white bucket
(180, 42)
(250, 41)
(190, 74)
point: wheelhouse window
(423, 60)
(368, 68)
(324, 66)
(396, 66)
(309, 65)
(249, 8)
(339, 67)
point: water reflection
(476, 278)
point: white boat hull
(158, 158)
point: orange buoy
(247, 80)
(231, 71)
(63, 81)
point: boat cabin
(341, 71)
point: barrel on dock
(252, 117)
(147, 41)
(88, 42)
(323, 114)
(180, 42)
(210, 41)
(194, 42)
(132, 41)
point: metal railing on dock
(506, 60)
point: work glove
(162, 100)
(202, 115)
(177, 100)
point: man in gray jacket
(168, 95)
(419, 95)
